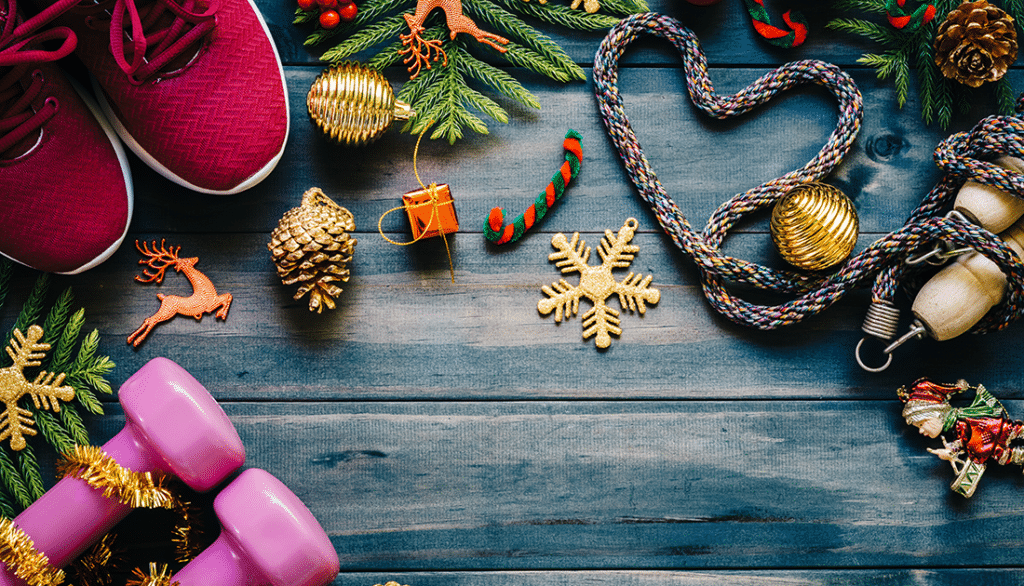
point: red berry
(327, 4)
(306, 5)
(348, 12)
(344, 2)
(329, 19)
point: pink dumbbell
(172, 425)
(268, 538)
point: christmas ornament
(431, 211)
(46, 390)
(354, 105)
(814, 226)
(493, 229)
(420, 52)
(780, 37)
(908, 47)
(168, 414)
(204, 298)
(597, 283)
(311, 246)
(268, 532)
(976, 43)
(903, 19)
(982, 431)
(457, 98)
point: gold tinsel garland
(135, 489)
(17, 551)
(158, 576)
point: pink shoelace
(20, 84)
(157, 33)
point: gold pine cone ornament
(311, 246)
(976, 43)
(353, 104)
(814, 226)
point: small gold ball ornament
(353, 104)
(814, 226)
(311, 246)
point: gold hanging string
(433, 203)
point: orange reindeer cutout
(422, 51)
(204, 298)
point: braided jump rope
(883, 261)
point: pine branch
(58, 317)
(561, 14)
(902, 79)
(869, 6)
(74, 425)
(499, 81)
(874, 31)
(366, 38)
(885, 64)
(531, 38)
(29, 466)
(30, 311)
(6, 506)
(61, 354)
(944, 103)
(12, 480)
(52, 431)
(624, 7)
(303, 17)
(386, 57)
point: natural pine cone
(311, 246)
(976, 43)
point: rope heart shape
(881, 261)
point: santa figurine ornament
(983, 431)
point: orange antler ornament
(422, 51)
(204, 298)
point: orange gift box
(425, 221)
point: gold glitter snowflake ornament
(46, 390)
(597, 283)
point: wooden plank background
(449, 434)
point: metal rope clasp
(882, 322)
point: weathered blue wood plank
(688, 485)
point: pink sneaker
(194, 87)
(65, 186)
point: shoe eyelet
(54, 102)
(38, 76)
(135, 81)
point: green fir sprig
(903, 52)
(72, 353)
(450, 97)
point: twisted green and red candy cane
(779, 37)
(900, 18)
(498, 234)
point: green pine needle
(368, 37)
(12, 480)
(53, 431)
(454, 105)
(879, 33)
(869, 6)
(303, 17)
(6, 506)
(30, 312)
(73, 423)
(62, 352)
(902, 79)
(29, 466)
(57, 319)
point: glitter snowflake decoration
(46, 390)
(597, 283)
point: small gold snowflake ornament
(597, 283)
(45, 390)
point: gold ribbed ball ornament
(353, 104)
(814, 226)
(311, 246)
